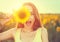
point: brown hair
(37, 22)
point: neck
(27, 29)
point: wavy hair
(37, 22)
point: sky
(43, 6)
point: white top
(27, 36)
(35, 36)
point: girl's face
(31, 20)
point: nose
(31, 17)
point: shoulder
(44, 34)
(16, 30)
(43, 29)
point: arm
(44, 35)
(7, 34)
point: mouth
(28, 23)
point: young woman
(31, 31)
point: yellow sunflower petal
(22, 15)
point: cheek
(33, 19)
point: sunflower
(21, 15)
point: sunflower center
(22, 15)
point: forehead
(29, 8)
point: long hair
(37, 22)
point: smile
(28, 22)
